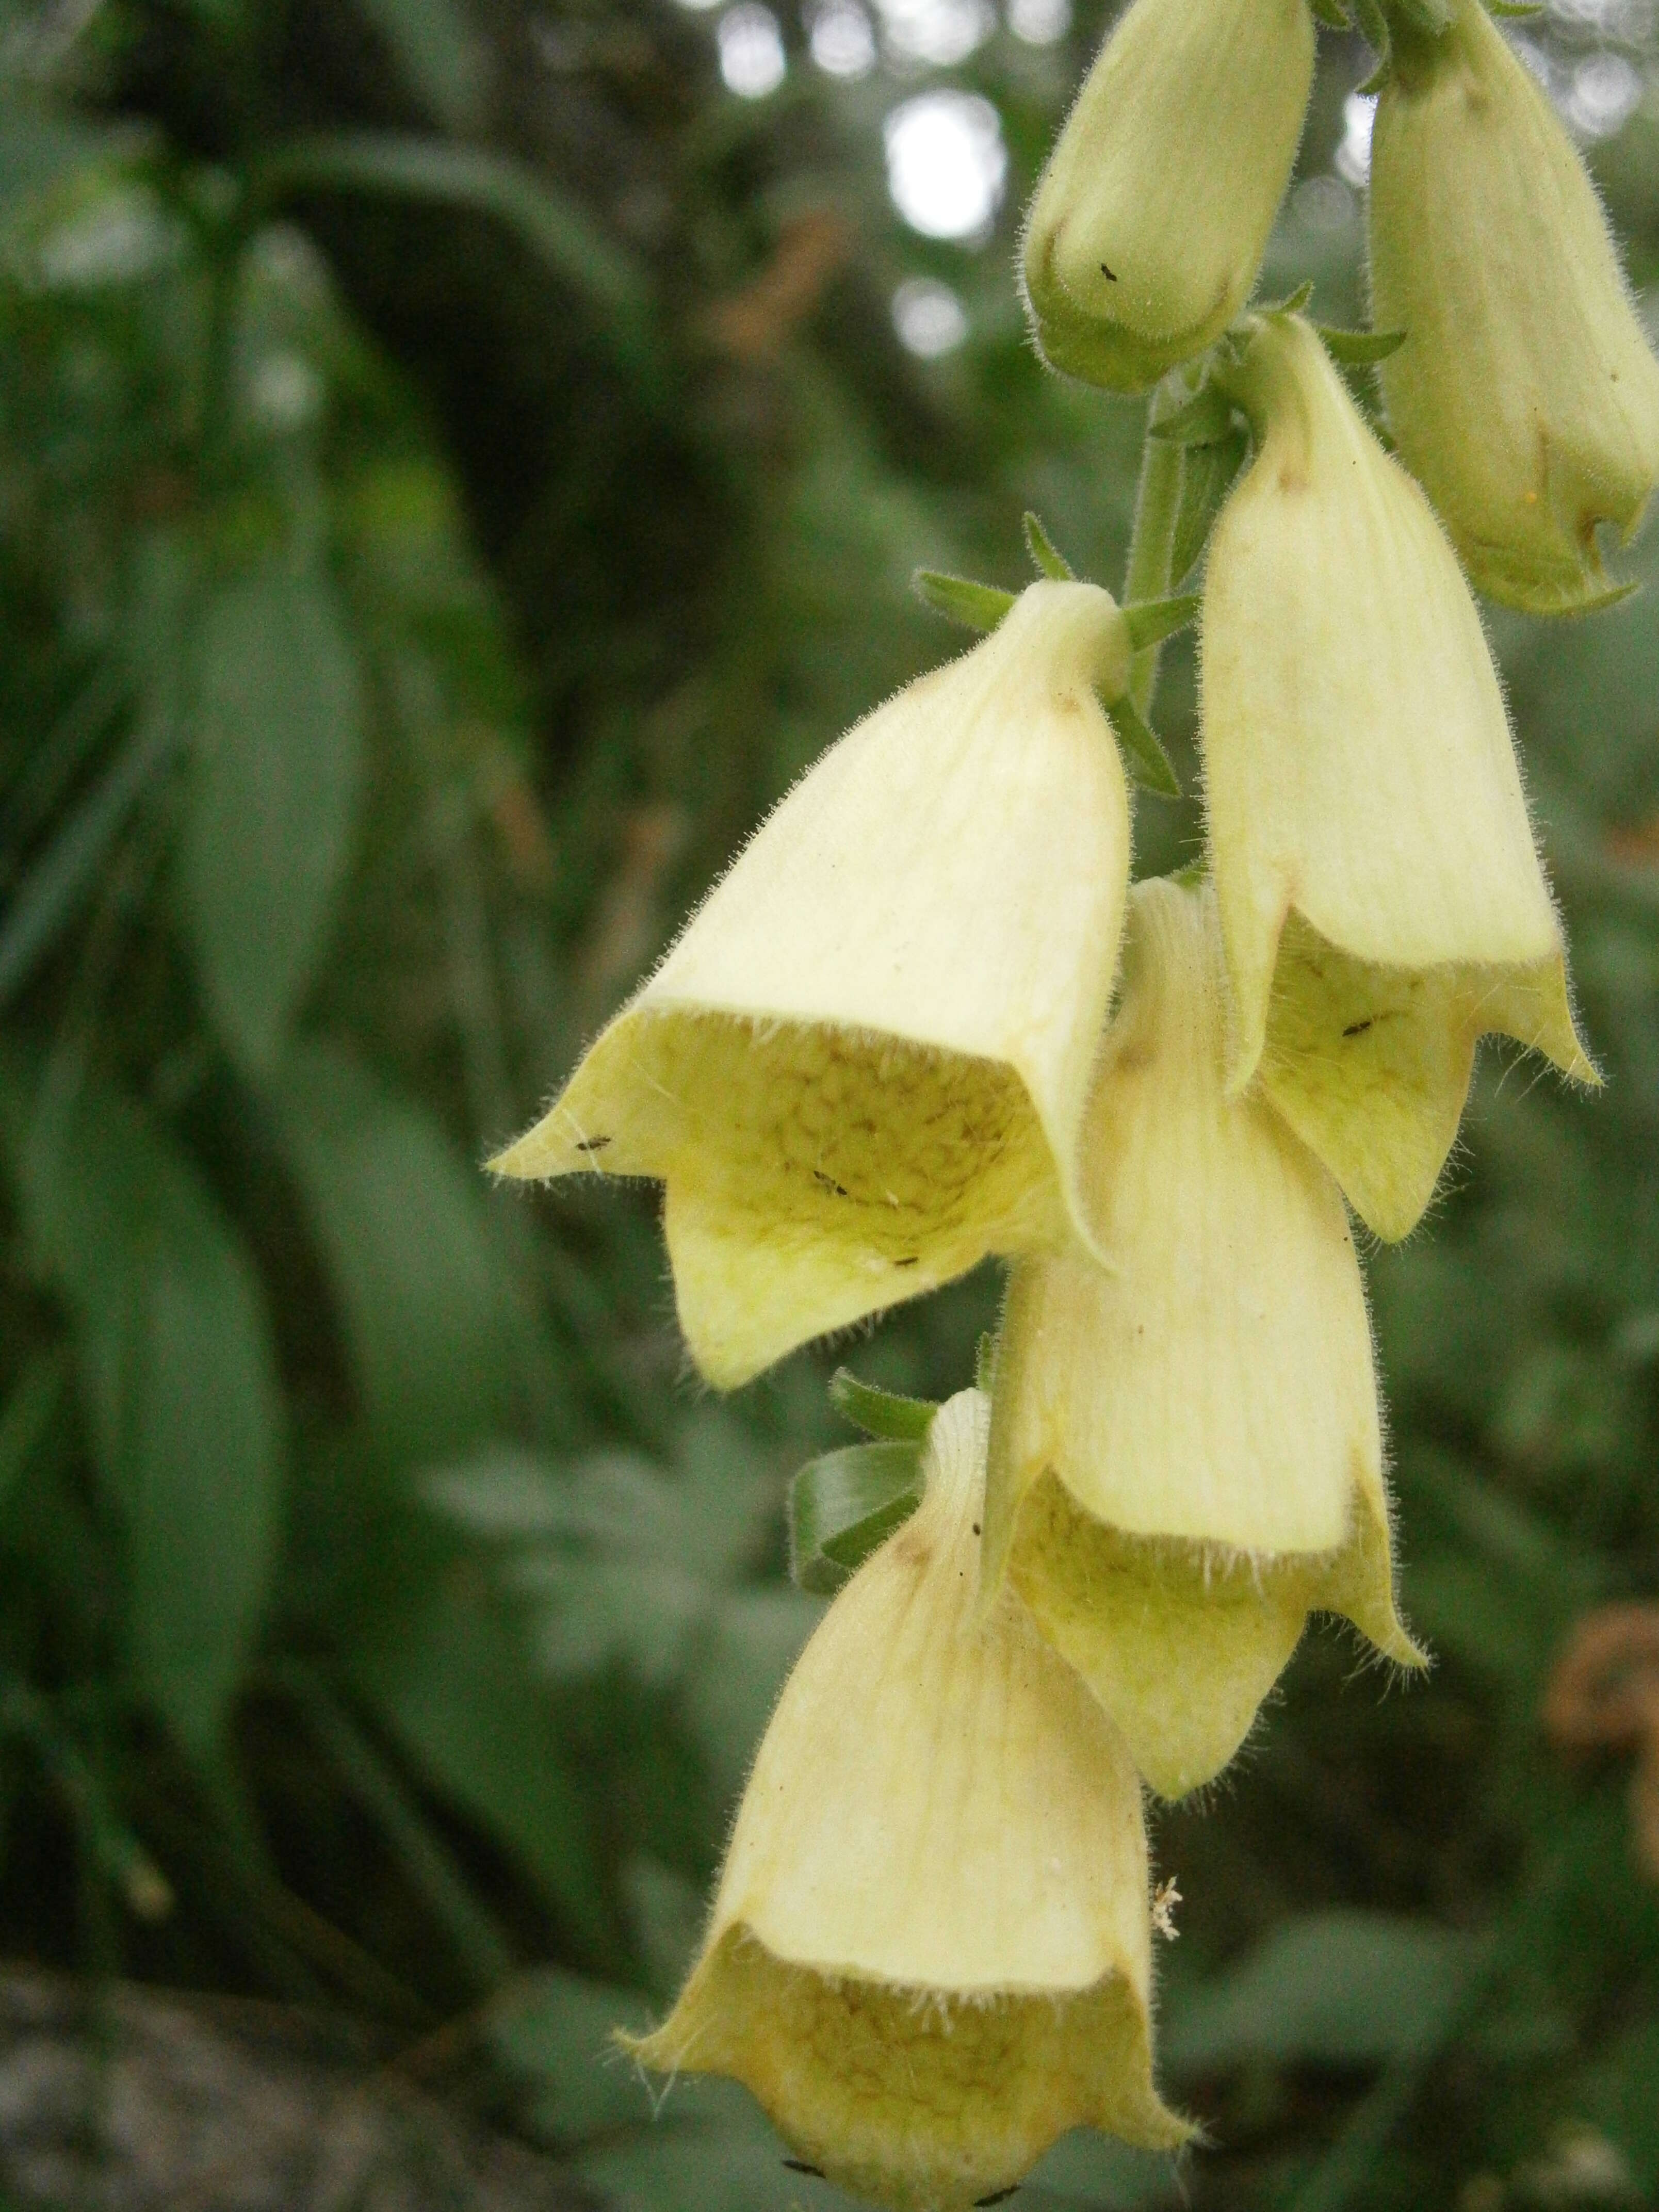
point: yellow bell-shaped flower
(929, 1956)
(1382, 901)
(1526, 396)
(1186, 1456)
(1148, 224)
(863, 1065)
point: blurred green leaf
(273, 797)
(554, 227)
(451, 1681)
(554, 2030)
(180, 1375)
(442, 1352)
(439, 53)
(1342, 1987)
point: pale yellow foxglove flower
(1526, 396)
(1186, 1454)
(1381, 901)
(929, 1956)
(1148, 223)
(863, 1066)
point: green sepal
(1332, 14)
(1379, 79)
(1431, 17)
(1206, 478)
(1359, 349)
(1292, 303)
(1146, 758)
(880, 1413)
(1373, 27)
(1149, 622)
(1050, 560)
(960, 599)
(1516, 10)
(1595, 603)
(1204, 421)
(843, 1505)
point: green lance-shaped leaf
(273, 798)
(1206, 478)
(1151, 621)
(1146, 760)
(843, 1505)
(179, 1371)
(1207, 417)
(960, 599)
(1292, 303)
(1359, 349)
(1050, 560)
(880, 1413)
(441, 1351)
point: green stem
(1152, 538)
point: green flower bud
(1186, 1452)
(1148, 224)
(929, 1952)
(1382, 901)
(1525, 396)
(864, 1064)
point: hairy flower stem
(1152, 536)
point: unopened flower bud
(1381, 901)
(1186, 1456)
(864, 1064)
(929, 1956)
(1526, 396)
(1148, 223)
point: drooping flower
(863, 1065)
(1382, 901)
(1526, 396)
(1150, 222)
(1186, 1456)
(929, 1956)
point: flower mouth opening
(922, 2098)
(1181, 1639)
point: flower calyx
(844, 1504)
(1143, 623)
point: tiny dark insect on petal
(915, 1261)
(829, 1182)
(999, 2195)
(1359, 1028)
(800, 2166)
(1110, 275)
(591, 1144)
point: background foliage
(456, 466)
